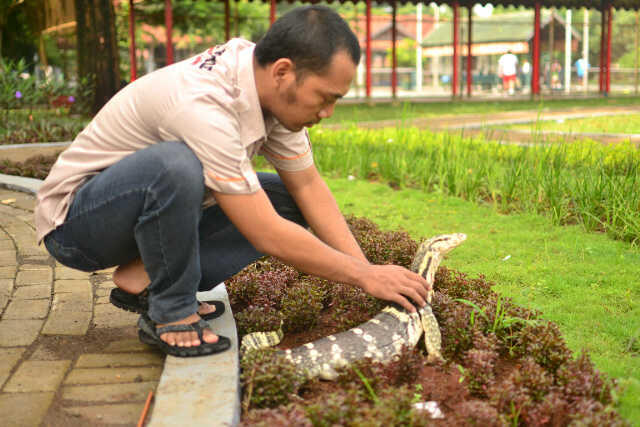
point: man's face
(306, 102)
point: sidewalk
(70, 358)
(67, 356)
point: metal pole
(368, 50)
(603, 36)
(469, 57)
(419, 73)
(272, 12)
(168, 22)
(567, 52)
(609, 21)
(635, 68)
(454, 80)
(585, 50)
(132, 43)
(227, 27)
(535, 71)
(394, 56)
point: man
(129, 191)
(507, 69)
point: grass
(624, 123)
(579, 183)
(357, 113)
(585, 282)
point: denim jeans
(149, 205)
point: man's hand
(397, 284)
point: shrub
(301, 306)
(258, 319)
(544, 343)
(268, 379)
(282, 416)
(382, 247)
(477, 413)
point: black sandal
(139, 303)
(149, 334)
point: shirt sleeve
(286, 150)
(213, 134)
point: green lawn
(585, 282)
(355, 113)
(624, 123)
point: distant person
(507, 70)
(582, 65)
(525, 69)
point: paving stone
(110, 316)
(8, 359)
(75, 286)
(122, 414)
(6, 243)
(113, 375)
(27, 309)
(72, 301)
(111, 360)
(110, 392)
(6, 287)
(70, 273)
(32, 292)
(14, 333)
(31, 250)
(107, 284)
(128, 345)
(8, 272)
(38, 375)
(25, 409)
(42, 259)
(26, 267)
(8, 257)
(103, 292)
(43, 353)
(103, 300)
(34, 277)
(67, 322)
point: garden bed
(505, 364)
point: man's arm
(320, 209)
(268, 232)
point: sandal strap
(198, 327)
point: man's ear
(282, 70)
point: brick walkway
(67, 356)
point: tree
(97, 48)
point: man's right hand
(395, 283)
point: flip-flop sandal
(149, 334)
(139, 303)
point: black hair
(309, 36)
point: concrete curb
(18, 183)
(201, 391)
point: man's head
(305, 62)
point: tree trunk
(97, 48)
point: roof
(589, 4)
(508, 27)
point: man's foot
(139, 303)
(182, 339)
(187, 339)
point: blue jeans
(148, 205)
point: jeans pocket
(69, 256)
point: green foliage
(268, 379)
(301, 306)
(585, 182)
(258, 319)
